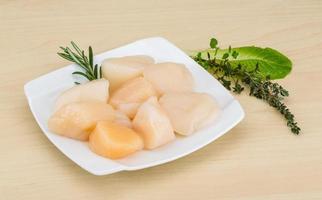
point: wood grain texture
(259, 159)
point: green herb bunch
(76, 55)
(238, 77)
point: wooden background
(259, 159)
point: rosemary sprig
(76, 55)
(238, 78)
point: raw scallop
(77, 120)
(94, 91)
(152, 123)
(122, 119)
(189, 111)
(120, 70)
(169, 77)
(131, 94)
(114, 141)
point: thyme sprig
(76, 55)
(238, 78)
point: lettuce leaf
(270, 62)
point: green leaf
(199, 55)
(96, 71)
(234, 54)
(73, 56)
(270, 62)
(90, 56)
(85, 58)
(213, 43)
(64, 49)
(82, 74)
(225, 56)
(101, 75)
(76, 48)
(65, 56)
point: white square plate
(42, 92)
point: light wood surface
(259, 159)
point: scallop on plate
(155, 105)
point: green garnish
(235, 74)
(76, 55)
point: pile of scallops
(139, 104)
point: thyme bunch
(238, 78)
